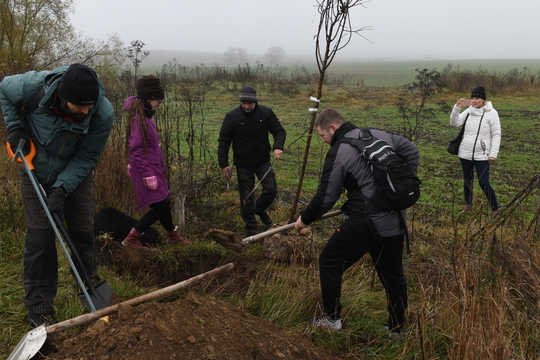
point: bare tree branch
(334, 33)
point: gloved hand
(151, 182)
(56, 202)
(14, 137)
(128, 170)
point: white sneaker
(393, 332)
(326, 322)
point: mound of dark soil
(189, 328)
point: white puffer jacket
(486, 140)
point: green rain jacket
(67, 151)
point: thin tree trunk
(293, 215)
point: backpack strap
(404, 226)
(365, 134)
(29, 107)
(34, 102)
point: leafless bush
(414, 106)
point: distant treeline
(292, 79)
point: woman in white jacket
(480, 144)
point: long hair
(136, 115)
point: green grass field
(397, 73)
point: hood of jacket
(488, 106)
(128, 102)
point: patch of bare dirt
(190, 328)
(162, 268)
(146, 267)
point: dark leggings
(482, 171)
(160, 211)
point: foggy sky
(460, 29)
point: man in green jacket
(66, 115)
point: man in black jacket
(247, 127)
(380, 234)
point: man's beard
(77, 117)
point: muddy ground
(189, 325)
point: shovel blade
(29, 344)
(100, 296)
(228, 239)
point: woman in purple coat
(146, 165)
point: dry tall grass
(476, 285)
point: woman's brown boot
(133, 239)
(173, 237)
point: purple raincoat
(146, 164)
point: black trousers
(349, 243)
(40, 261)
(253, 205)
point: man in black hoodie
(247, 127)
(380, 234)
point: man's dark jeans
(253, 205)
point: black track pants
(349, 243)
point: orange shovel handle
(28, 157)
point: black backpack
(398, 188)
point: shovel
(232, 241)
(96, 297)
(34, 340)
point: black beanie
(149, 88)
(479, 92)
(79, 85)
(248, 94)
